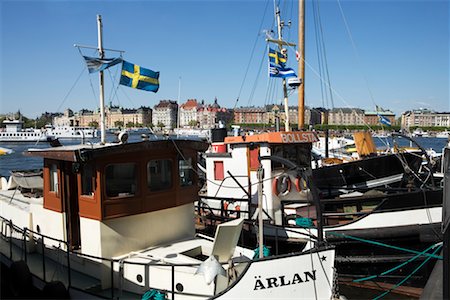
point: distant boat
(420, 133)
(14, 132)
(443, 134)
(71, 132)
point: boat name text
(302, 137)
(274, 282)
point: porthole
(139, 278)
(179, 287)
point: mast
(101, 80)
(285, 96)
(301, 63)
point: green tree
(193, 123)
(160, 125)
(130, 124)
(118, 124)
(93, 124)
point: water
(18, 161)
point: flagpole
(101, 79)
(301, 64)
(285, 97)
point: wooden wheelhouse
(91, 184)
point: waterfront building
(250, 115)
(210, 115)
(165, 113)
(373, 117)
(425, 118)
(115, 117)
(188, 113)
(346, 116)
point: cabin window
(186, 172)
(218, 170)
(159, 174)
(53, 178)
(121, 180)
(87, 180)
(299, 154)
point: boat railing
(230, 208)
(25, 244)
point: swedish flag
(139, 78)
(277, 58)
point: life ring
(300, 184)
(281, 185)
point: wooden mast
(101, 79)
(301, 63)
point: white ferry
(14, 132)
(72, 132)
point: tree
(93, 124)
(118, 124)
(160, 125)
(130, 124)
(193, 123)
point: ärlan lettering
(273, 282)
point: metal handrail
(37, 235)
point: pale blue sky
(402, 51)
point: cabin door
(70, 200)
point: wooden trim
(52, 200)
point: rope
(384, 245)
(397, 267)
(409, 275)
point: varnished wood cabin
(110, 182)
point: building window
(159, 174)
(53, 178)
(121, 180)
(186, 172)
(87, 180)
(218, 170)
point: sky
(394, 54)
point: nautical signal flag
(95, 64)
(277, 71)
(139, 78)
(385, 121)
(277, 58)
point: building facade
(165, 113)
(188, 113)
(425, 118)
(115, 117)
(373, 117)
(346, 116)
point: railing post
(173, 282)
(10, 238)
(69, 278)
(43, 258)
(276, 240)
(112, 279)
(25, 243)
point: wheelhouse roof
(283, 137)
(79, 153)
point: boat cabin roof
(283, 137)
(85, 152)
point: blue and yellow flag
(139, 78)
(277, 58)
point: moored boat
(71, 132)
(14, 132)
